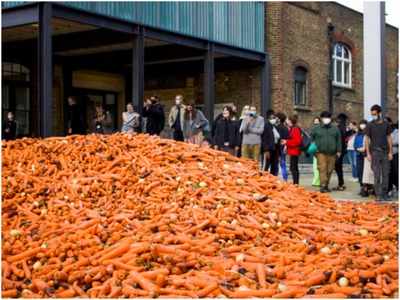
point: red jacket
(294, 142)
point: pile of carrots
(139, 216)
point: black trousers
(394, 173)
(360, 167)
(294, 169)
(272, 165)
(339, 169)
(178, 135)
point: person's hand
(390, 156)
(197, 126)
(216, 147)
(267, 155)
(369, 157)
(7, 130)
(338, 154)
(283, 142)
(69, 130)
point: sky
(392, 8)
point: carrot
(207, 290)
(24, 255)
(9, 293)
(116, 252)
(143, 282)
(315, 280)
(78, 290)
(40, 284)
(68, 293)
(261, 276)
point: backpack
(305, 140)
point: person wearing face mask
(293, 144)
(10, 128)
(226, 137)
(351, 152)
(268, 141)
(154, 112)
(394, 168)
(378, 144)
(341, 124)
(283, 135)
(327, 139)
(359, 147)
(176, 118)
(252, 128)
(315, 182)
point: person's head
(178, 99)
(292, 121)
(376, 111)
(71, 101)
(10, 116)
(99, 108)
(281, 117)
(253, 111)
(353, 125)
(226, 113)
(245, 111)
(341, 118)
(129, 107)
(362, 125)
(154, 99)
(389, 120)
(326, 117)
(317, 121)
(234, 108)
(229, 108)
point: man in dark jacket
(341, 121)
(329, 146)
(154, 112)
(226, 137)
(268, 143)
(10, 128)
(284, 136)
(76, 124)
(271, 136)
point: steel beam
(19, 16)
(238, 52)
(138, 71)
(266, 86)
(45, 70)
(173, 38)
(209, 83)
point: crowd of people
(371, 148)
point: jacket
(293, 143)
(233, 133)
(267, 138)
(327, 138)
(9, 130)
(359, 141)
(195, 126)
(75, 120)
(283, 131)
(252, 131)
(173, 114)
(155, 118)
(344, 134)
(395, 141)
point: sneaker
(323, 190)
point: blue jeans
(352, 157)
(282, 163)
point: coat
(327, 138)
(293, 143)
(75, 120)
(195, 126)
(173, 113)
(155, 118)
(9, 130)
(267, 138)
(233, 133)
(252, 130)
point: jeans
(251, 152)
(360, 167)
(294, 169)
(178, 135)
(339, 169)
(282, 162)
(326, 165)
(381, 167)
(352, 157)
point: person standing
(219, 117)
(293, 144)
(252, 128)
(75, 118)
(194, 124)
(226, 137)
(283, 135)
(351, 152)
(315, 182)
(268, 142)
(154, 112)
(394, 168)
(102, 120)
(379, 149)
(359, 147)
(341, 125)
(176, 118)
(329, 146)
(130, 120)
(10, 127)
(272, 158)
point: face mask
(252, 113)
(178, 102)
(316, 123)
(272, 121)
(374, 118)
(326, 121)
(363, 126)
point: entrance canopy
(54, 33)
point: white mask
(326, 121)
(178, 101)
(363, 126)
(272, 121)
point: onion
(240, 181)
(386, 257)
(343, 281)
(15, 232)
(265, 225)
(37, 265)
(243, 288)
(363, 232)
(282, 287)
(202, 184)
(178, 178)
(325, 250)
(240, 257)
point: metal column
(138, 71)
(209, 83)
(45, 71)
(266, 86)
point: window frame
(302, 83)
(343, 61)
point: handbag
(305, 141)
(312, 149)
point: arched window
(341, 60)
(300, 86)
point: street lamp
(331, 30)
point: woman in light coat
(194, 124)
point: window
(300, 86)
(341, 61)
